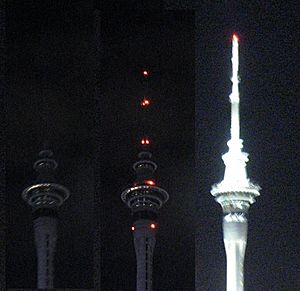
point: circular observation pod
(46, 195)
(144, 197)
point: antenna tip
(235, 37)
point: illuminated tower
(236, 192)
(144, 198)
(45, 197)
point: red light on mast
(145, 141)
(145, 73)
(149, 182)
(152, 225)
(145, 102)
(132, 228)
(235, 37)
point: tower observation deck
(236, 192)
(144, 198)
(45, 197)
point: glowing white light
(236, 192)
(235, 239)
(235, 265)
(234, 96)
(235, 160)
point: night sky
(74, 80)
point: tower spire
(144, 198)
(234, 96)
(236, 192)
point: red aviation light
(145, 102)
(145, 141)
(235, 37)
(152, 225)
(149, 182)
(145, 73)
(132, 228)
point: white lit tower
(45, 196)
(144, 198)
(236, 192)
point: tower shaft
(45, 232)
(235, 240)
(144, 243)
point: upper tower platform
(144, 195)
(45, 193)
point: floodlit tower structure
(236, 192)
(144, 198)
(45, 197)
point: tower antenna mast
(236, 192)
(144, 198)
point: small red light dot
(145, 102)
(152, 225)
(145, 73)
(149, 182)
(132, 228)
(145, 141)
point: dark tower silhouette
(144, 198)
(45, 197)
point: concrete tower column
(144, 243)
(235, 240)
(45, 233)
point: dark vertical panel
(2, 142)
(98, 146)
(51, 97)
